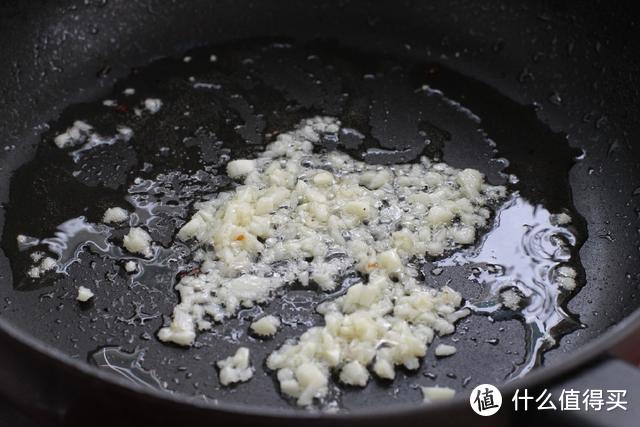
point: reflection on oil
(126, 365)
(521, 254)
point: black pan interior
(547, 84)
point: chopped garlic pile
(381, 324)
(314, 217)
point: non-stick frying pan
(555, 86)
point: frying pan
(550, 83)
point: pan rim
(549, 374)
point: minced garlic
(236, 368)
(561, 219)
(266, 326)
(444, 350)
(84, 294)
(47, 264)
(152, 105)
(565, 277)
(511, 299)
(76, 134)
(138, 241)
(437, 394)
(130, 267)
(313, 217)
(240, 168)
(114, 215)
